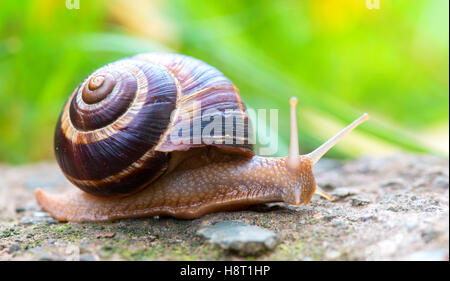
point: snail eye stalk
(315, 156)
(293, 157)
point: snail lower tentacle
(190, 193)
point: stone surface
(240, 237)
(406, 218)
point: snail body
(115, 140)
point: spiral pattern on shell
(113, 134)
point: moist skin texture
(200, 185)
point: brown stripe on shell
(193, 75)
(132, 179)
(202, 83)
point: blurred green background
(338, 57)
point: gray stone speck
(38, 220)
(343, 192)
(14, 248)
(87, 257)
(431, 209)
(435, 171)
(356, 202)
(394, 183)
(340, 225)
(329, 218)
(240, 237)
(48, 257)
(368, 218)
(41, 214)
(420, 183)
(20, 209)
(429, 235)
(26, 221)
(441, 182)
(393, 209)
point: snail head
(300, 166)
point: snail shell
(114, 135)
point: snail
(115, 141)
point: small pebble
(429, 235)
(368, 218)
(441, 182)
(14, 248)
(27, 221)
(435, 171)
(356, 202)
(152, 237)
(106, 235)
(38, 220)
(393, 209)
(48, 257)
(420, 183)
(41, 214)
(329, 218)
(431, 209)
(394, 183)
(20, 209)
(343, 192)
(340, 225)
(240, 237)
(87, 257)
